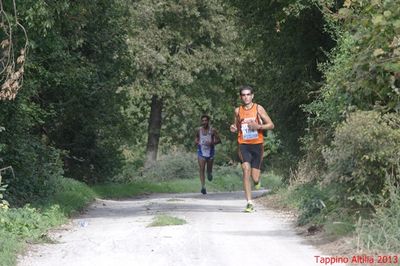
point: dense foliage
(65, 119)
(364, 150)
(362, 75)
(328, 73)
(185, 58)
(282, 63)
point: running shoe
(249, 208)
(203, 191)
(257, 185)
(209, 176)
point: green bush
(381, 233)
(37, 168)
(26, 148)
(365, 148)
(272, 181)
(71, 196)
(308, 198)
(179, 165)
(226, 178)
(9, 247)
(21, 225)
(361, 73)
(312, 202)
(29, 222)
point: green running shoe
(249, 208)
(257, 186)
(203, 191)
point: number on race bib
(248, 133)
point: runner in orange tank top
(246, 116)
(251, 120)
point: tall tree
(174, 45)
(76, 68)
(287, 40)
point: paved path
(218, 232)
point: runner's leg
(245, 158)
(202, 164)
(255, 174)
(246, 180)
(257, 157)
(209, 169)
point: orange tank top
(247, 136)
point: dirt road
(217, 232)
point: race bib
(205, 150)
(248, 133)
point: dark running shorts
(251, 153)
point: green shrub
(272, 181)
(178, 165)
(365, 148)
(29, 222)
(9, 247)
(226, 178)
(309, 199)
(312, 200)
(37, 168)
(35, 162)
(71, 196)
(381, 233)
(226, 152)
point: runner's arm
(235, 125)
(267, 122)
(216, 139)
(197, 139)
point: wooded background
(106, 86)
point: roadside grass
(364, 232)
(166, 220)
(10, 246)
(313, 207)
(72, 197)
(29, 224)
(138, 188)
(382, 233)
(226, 178)
(271, 181)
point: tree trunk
(153, 130)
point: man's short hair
(246, 87)
(205, 116)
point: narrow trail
(217, 232)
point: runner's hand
(253, 126)
(233, 128)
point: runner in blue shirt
(206, 139)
